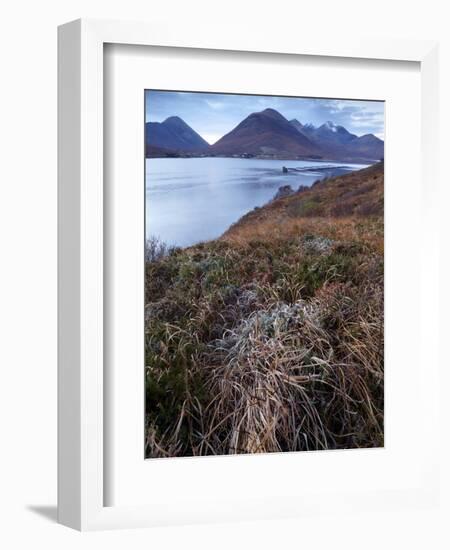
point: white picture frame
(81, 400)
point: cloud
(337, 106)
(267, 101)
(216, 105)
(365, 118)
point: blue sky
(213, 115)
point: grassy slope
(271, 338)
(358, 195)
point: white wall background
(28, 270)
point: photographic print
(264, 274)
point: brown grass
(349, 229)
(271, 338)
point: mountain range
(338, 142)
(264, 134)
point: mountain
(266, 133)
(173, 134)
(367, 146)
(328, 134)
(298, 126)
(338, 143)
(332, 134)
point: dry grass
(269, 339)
(284, 384)
(348, 229)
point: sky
(214, 115)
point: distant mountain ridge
(337, 141)
(265, 134)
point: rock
(283, 191)
(302, 188)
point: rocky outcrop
(283, 191)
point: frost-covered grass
(269, 339)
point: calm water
(197, 199)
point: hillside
(359, 193)
(270, 338)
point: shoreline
(255, 212)
(290, 186)
(349, 160)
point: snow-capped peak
(331, 126)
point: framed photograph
(263, 274)
(241, 333)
